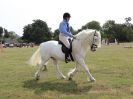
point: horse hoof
(70, 78)
(36, 78)
(92, 80)
(63, 77)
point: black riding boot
(67, 55)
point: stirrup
(67, 60)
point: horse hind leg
(45, 67)
(41, 67)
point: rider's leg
(65, 41)
(67, 55)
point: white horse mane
(86, 36)
(84, 33)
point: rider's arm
(63, 29)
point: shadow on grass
(67, 87)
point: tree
(27, 36)
(118, 32)
(6, 34)
(37, 32)
(1, 31)
(128, 19)
(121, 32)
(92, 25)
(128, 31)
(56, 34)
(73, 31)
(108, 29)
(12, 35)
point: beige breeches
(64, 39)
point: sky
(15, 14)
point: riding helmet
(66, 15)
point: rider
(65, 34)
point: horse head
(96, 40)
(91, 37)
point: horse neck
(84, 41)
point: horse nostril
(93, 48)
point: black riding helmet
(66, 15)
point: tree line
(4, 34)
(112, 30)
(39, 31)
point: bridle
(94, 46)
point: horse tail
(35, 58)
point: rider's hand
(74, 37)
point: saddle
(66, 51)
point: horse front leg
(82, 63)
(59, 73)
(72, 72)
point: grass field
(112, 67)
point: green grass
(112, 67)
